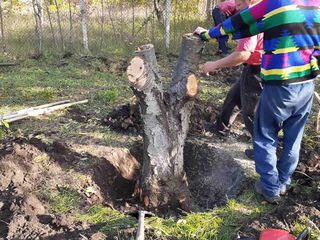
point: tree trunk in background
(83, 15)
(208, 11)
(70, 24)
(114, 31)
(159, 10)
(2, 29)
(166, 123)
(167, 24)
(37, 11)
(50, 22)
(59, 24)
(133, 18)
(102, 23)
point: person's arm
(246, 23)
(234, 59)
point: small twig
(4, 222)
(304, 174)
(8, 64)
(109, 205)
(81, 235)
(313, 225)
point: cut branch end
(192, 85)
(136, 73)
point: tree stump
(163, 181)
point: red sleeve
(247, 44)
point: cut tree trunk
(166, 122)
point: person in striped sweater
(291, 48)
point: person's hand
(199, 30)
(209, 67)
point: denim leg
(223, 46)
(265, 141)
(279, 107)
(218, 18)
(293, 129)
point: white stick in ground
(140, 231)
(39, 110)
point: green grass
(110, 221)
(221, 223)
(302, 224)
(61, 200)
(107, 96)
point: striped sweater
(291, 40)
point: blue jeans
(281, 107)
(219, 17)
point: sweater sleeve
(246, 23)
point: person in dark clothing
(220, 13)
(245, 92)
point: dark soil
(24, 174)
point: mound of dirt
(32, 173)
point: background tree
(83, 16)
(37, 10)
(2, 28)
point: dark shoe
(212, 128)
(231, 80)
(273, 200)
(249, 153)
(218, 52)
(208, 127)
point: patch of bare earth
(30, 167)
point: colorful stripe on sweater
(291, 37)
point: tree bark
(102, 23)
(208, 11)
(167, 24)
(2, 28)
(50, 23)
(133, 18)
(70, 24)
(37, 10)
(166, 123)
(159, 10)
(83, 13)
(59, 24)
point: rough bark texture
(37, 10)
(2, 28)
(167, 24)
(50, 22)
(166, 123)
(83, 16)
(59, 23)
(208, 11)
